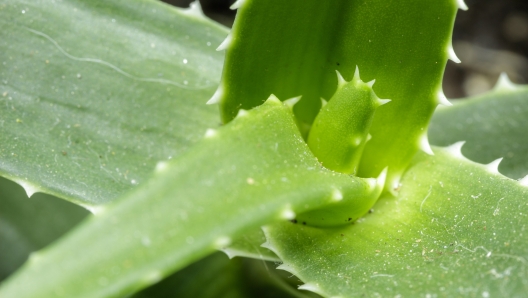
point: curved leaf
(246, 174)
(94, 93)
(493, 126)
(456, 229)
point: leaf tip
(241, 113)
(524, 181)
(356, 77)
(451, 54)
(226, 43)
(442, 99)
(424, 144)
(217, 96)
(462, 5)
(195, 9)
(292, 101)
(340, 80)
(456, 149)
(312, 287)
(287, 268)
(504, 83)
(237, 4)
(273, 99)
(493, 167)
(29, 188)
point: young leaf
(292, 48)
(255, 170)
(94, 93)
(456, 229)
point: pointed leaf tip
(442, 99)
(356, 75)
(225, 44)
(29, 188)
(292, 101)
(312, 288)
(195, 9)
(241, 113)
(273, 99)
(371, 83)
(237, 4)
(340, 80)
(524, 181)
(424, 144)
(493, 167)
(452, 55)
(504, 83)
(217, 96)
(462, 5)
(456, 149)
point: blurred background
(489, 38)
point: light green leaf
(494, 125)
(292, 48)
(94, 93)
(27, 225)
(193, 205)
(456, 229)
(249, 246)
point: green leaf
(493, 126)
(255, 170)
(456, 229)
(249, 246)
(27, 225)
(218, 277)
(292, 48)
(94, 93)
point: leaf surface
(457, 229)
(292, 48)
(494, 125)
(94, 93)
(255, 170)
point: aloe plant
(316, 157)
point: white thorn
(340, 80)
(337, 195)
(225, 44)
(209, 133)
(311, 287)
(381, 102)
(231, 253)
(292, 101)
(287, 213)
(356, 75)
(442, 99)
(456, 149)
(451, 54)
(272, 98)
(241, 113)
(323, 102)
(524, 181)
(424, 144)
(195, 9)
(504, 83)
(217, 96)
(286, 267)
(371, 83)
(462, 5)
(29, 188)
(222, 242)
(161, 166)
(237, 4)
(493, 166)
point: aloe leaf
(249, 246)
(456, 229)
(94, 93)
(293, 48)
(493, 126)
(27, 225)
(246, 174)
(218, 277)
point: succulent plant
(313, 152)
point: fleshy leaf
(94, 93)
(292, 48)
(249, 246)
(456, 229)
(27, 225)
(255, 170)
(493, 125)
